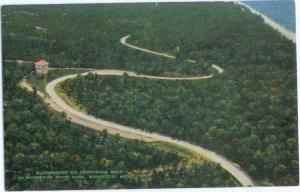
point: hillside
(248, 113)
(211, 33)
(45, 151)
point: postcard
(149, 95)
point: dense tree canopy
(39, 140)
(211, 33)
(253, 122)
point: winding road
(56, 103)
(123, 40)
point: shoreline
(288, 34)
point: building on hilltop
(41, 66)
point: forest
(248, 113)
(253, 123)
(38, 139)
(210, 33)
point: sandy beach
(288, 34)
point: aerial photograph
(149, 95)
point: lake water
(280, 11)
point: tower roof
(41, 62)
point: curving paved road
(132, 133)
(123, 40)
(56, 103)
